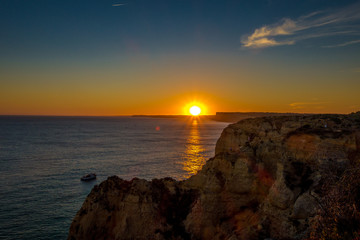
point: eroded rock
(265, 181)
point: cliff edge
(283, 177)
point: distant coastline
(226, 116)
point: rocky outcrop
(266, 180)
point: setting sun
(195, 110)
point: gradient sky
(117, 57)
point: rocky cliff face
(267, 180)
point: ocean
(43, 158)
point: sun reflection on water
(194, 157)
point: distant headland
(227, 116)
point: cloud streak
(302, 105)
(314, 25)
(343, 44)
(118, 4)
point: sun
(195, 110)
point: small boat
(88, 177)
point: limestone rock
(264, 181)
(304, 207)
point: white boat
(88, 177)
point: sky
(124, 57)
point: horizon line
(145, 115)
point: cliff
(273, 177)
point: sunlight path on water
(194, 152)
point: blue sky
(48, 26)
(257, 45)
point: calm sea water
(43, 158)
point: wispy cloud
(302, 105)
(343, 44)
(260, 37)
(314, 25)
(118, 4)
